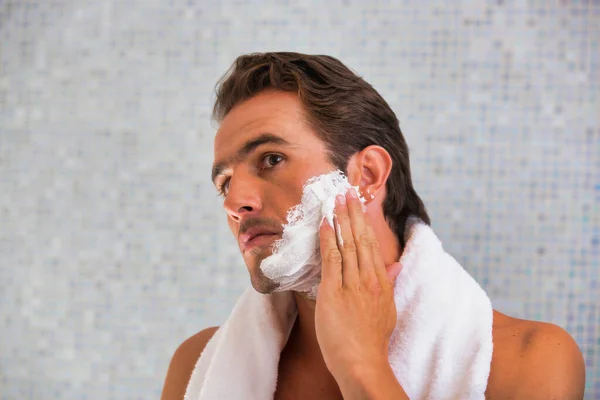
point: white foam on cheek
(296, 260)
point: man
(286, 117)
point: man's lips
(256, 237)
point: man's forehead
(229, 142)
(274, 112)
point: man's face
(264, 153)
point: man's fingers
(393, 271)
(378, 264)
(346, 243)
(363, 237)
(331, 258)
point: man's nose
(243, 196)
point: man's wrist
(371, 382)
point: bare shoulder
(183, 363)
(534, 360)
(553, 365)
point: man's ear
(369, 170)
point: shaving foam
(295, 262)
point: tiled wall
(113, 244)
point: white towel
(441, 347)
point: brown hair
(346, 112)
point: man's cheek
(233, 226)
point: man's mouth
(255, 237)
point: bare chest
(297, 380)
(302, 386)
(305, 386)
(297, 389)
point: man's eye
(271, 160)
(268, 161)
(224, 187)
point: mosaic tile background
(113, 245)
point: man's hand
(355, 312)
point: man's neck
(303, 332)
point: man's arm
(552, 366)
(372, 382)
(183, 363)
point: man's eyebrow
(247, 148)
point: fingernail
(364, 208)
(352, 193)
(341, 200)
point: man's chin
(259, 281)
(263, 284)
(257, 254)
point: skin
(531, 360)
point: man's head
(286, 117)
